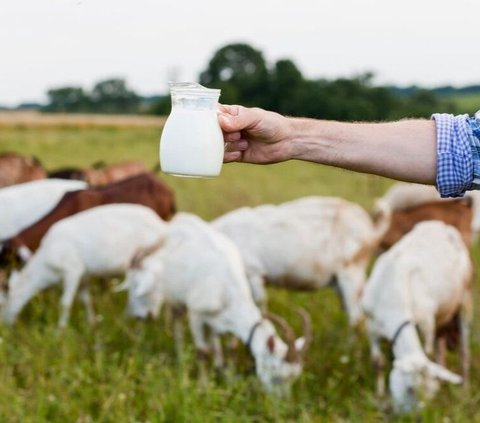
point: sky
(52, 43)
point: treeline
(244, 77)
(108, 96)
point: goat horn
(292, 355)
(307, 330)
(138, 257)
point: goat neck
(407, 341)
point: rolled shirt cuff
(454, 155)
(474, 124)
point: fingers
(234, 150)
(232, 136)
(229, 123)
(240, 145)
(232, 156)
(233, 110)
(236, 118)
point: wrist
(305, 140)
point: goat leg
(197, 327)
(440, 350)
(71, 284)
(216, 348)
(86, 299)
(178, 313)
(465, 349)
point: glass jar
(192, 142)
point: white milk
(192, 143)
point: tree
(286, 81)
(162, 106)
(68, 100)
(241, 73)
(113, 96)
(421, 103)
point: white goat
(99, 241)
(201, 269)
(23, 204)
(306, 244)
(404, 195)
(424, 281)
(475, 196)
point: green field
(126, 371)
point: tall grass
(127, 371)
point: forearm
(404, 150)
(444, 151)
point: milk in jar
(192, 141)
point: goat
(112, 173)
(475, 196)
(201, 269)
(145, 189)
(100, 174)
(98, 242)
(457, 213)
(404, 196)
(68, 173)
(16, 169)
(422, 280)
(306, 244)
(23, 204)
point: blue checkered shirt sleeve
(458, 153)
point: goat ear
(145, 284)
(24, 253)
(271, 344)
(443, 374)
(299, 343)
(122, 287)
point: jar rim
(192, 88)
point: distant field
(126, 371)
(27, 119)
(469, 103)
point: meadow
(124, 370)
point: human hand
(254, 135)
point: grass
(127, 371)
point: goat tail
(466, 310)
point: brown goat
(113, 173)
(101, 175)
(145, 189)
(15, 169)
(457, 213)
